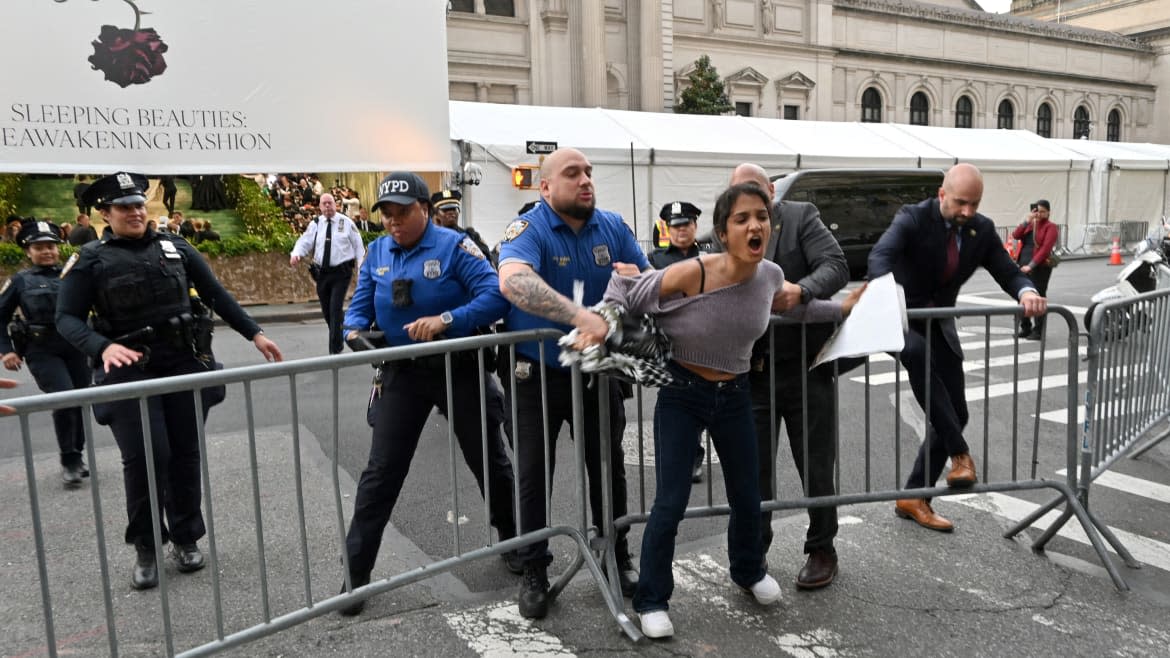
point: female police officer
(422, 282)
(55, 364)
(146, 325)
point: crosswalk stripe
(1131, 485)
(497, 629)
(973, 346)
(976, 300)
(1145, 550)
(974, 364)
(1049, 382)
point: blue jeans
(684, 408)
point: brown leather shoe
(962, 473)
(919, 511)
(819, 569)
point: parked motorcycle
(1148, 271)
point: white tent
(1131, 179)
(833, 144)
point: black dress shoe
(1024, 330)
(188, 557)
(357, 608)
(533, 600)
(1035, 334)
(71, 476)
(145, 574)
(819, 570)
(627, 576)
(84, 470)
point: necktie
(952, 255)
(328, 244)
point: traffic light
(524, 177)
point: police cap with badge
(447, 199)
(116, 189)
(33, 230)
(403, 188)
(678, 213)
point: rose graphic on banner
(129, 56)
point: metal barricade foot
(1118, 547)
(609, 590)
(1027, 521)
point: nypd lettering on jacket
(560, 255)
(443, 272)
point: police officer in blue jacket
(137, 283)
(422, 282)
(54, 363)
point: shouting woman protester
(713, 308)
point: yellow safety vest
(663, 232)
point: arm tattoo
(531, 294)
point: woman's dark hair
(726, 202)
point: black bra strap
(702, 275)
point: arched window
(1044, 120)
(919, 109)
(1081, 123)
(1005, 115)
(964, 109)
(1113, 127)
(871, 106)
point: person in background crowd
(563, 240)
(55, 364)
(66, 231)
(336, 247)
(713, 308)
(186, 226)
(12, 227)
(1037, 236)
(206, 233)
(448, 209)
(365, 224)
(84, 232)
(423, 283)
(932, 248)
(79, 189)
(125, 302)
(814, 268)
(169, 190)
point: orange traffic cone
(1115, 255)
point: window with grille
(964, 110)
(1005, 115)
(1113, 127)
(1081, 123)
(919, 110)
(1044, 120)
(871, 106)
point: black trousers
(332, 285)
(530, 454)
(62, 369)
(175, 441)
(948, 403)
(169, 199)
(1040, 275)
(409, 392)
(821, 442)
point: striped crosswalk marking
(974, 365)
(1145, 550)
(1130, 485)
(497, 629)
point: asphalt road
(1135, 503)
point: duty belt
(433, 362)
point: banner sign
(223, 86)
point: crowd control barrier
(250, 596)
(873, 454)
(1127, 396)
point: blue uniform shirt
(560, 256)
(448, 273)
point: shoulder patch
(5, 286)
(515, 229)
(69, 264)
(468, 245)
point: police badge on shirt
(601, 255)
(432, 269)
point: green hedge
(10, 185)
(12, 256)
(261, 217)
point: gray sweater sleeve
(636, 294)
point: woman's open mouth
(756, 243)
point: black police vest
(38, 300)
(140, 285)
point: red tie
(952, 255)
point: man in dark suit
(814, 267)
(932, 248)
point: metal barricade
(859, 478)
(1127, 397)
(1131, 232)
(233, 626)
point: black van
(858, 204)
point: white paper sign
(876, 324)
(223, 86)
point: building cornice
(999, 22)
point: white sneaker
(656, 624)
(766, 590)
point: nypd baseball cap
(403, 188)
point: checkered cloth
(635, 349)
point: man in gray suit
(814, 267)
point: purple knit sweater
(715, 329)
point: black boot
(188, 557)
(534, 592)
(145, 569)
(71, 475)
